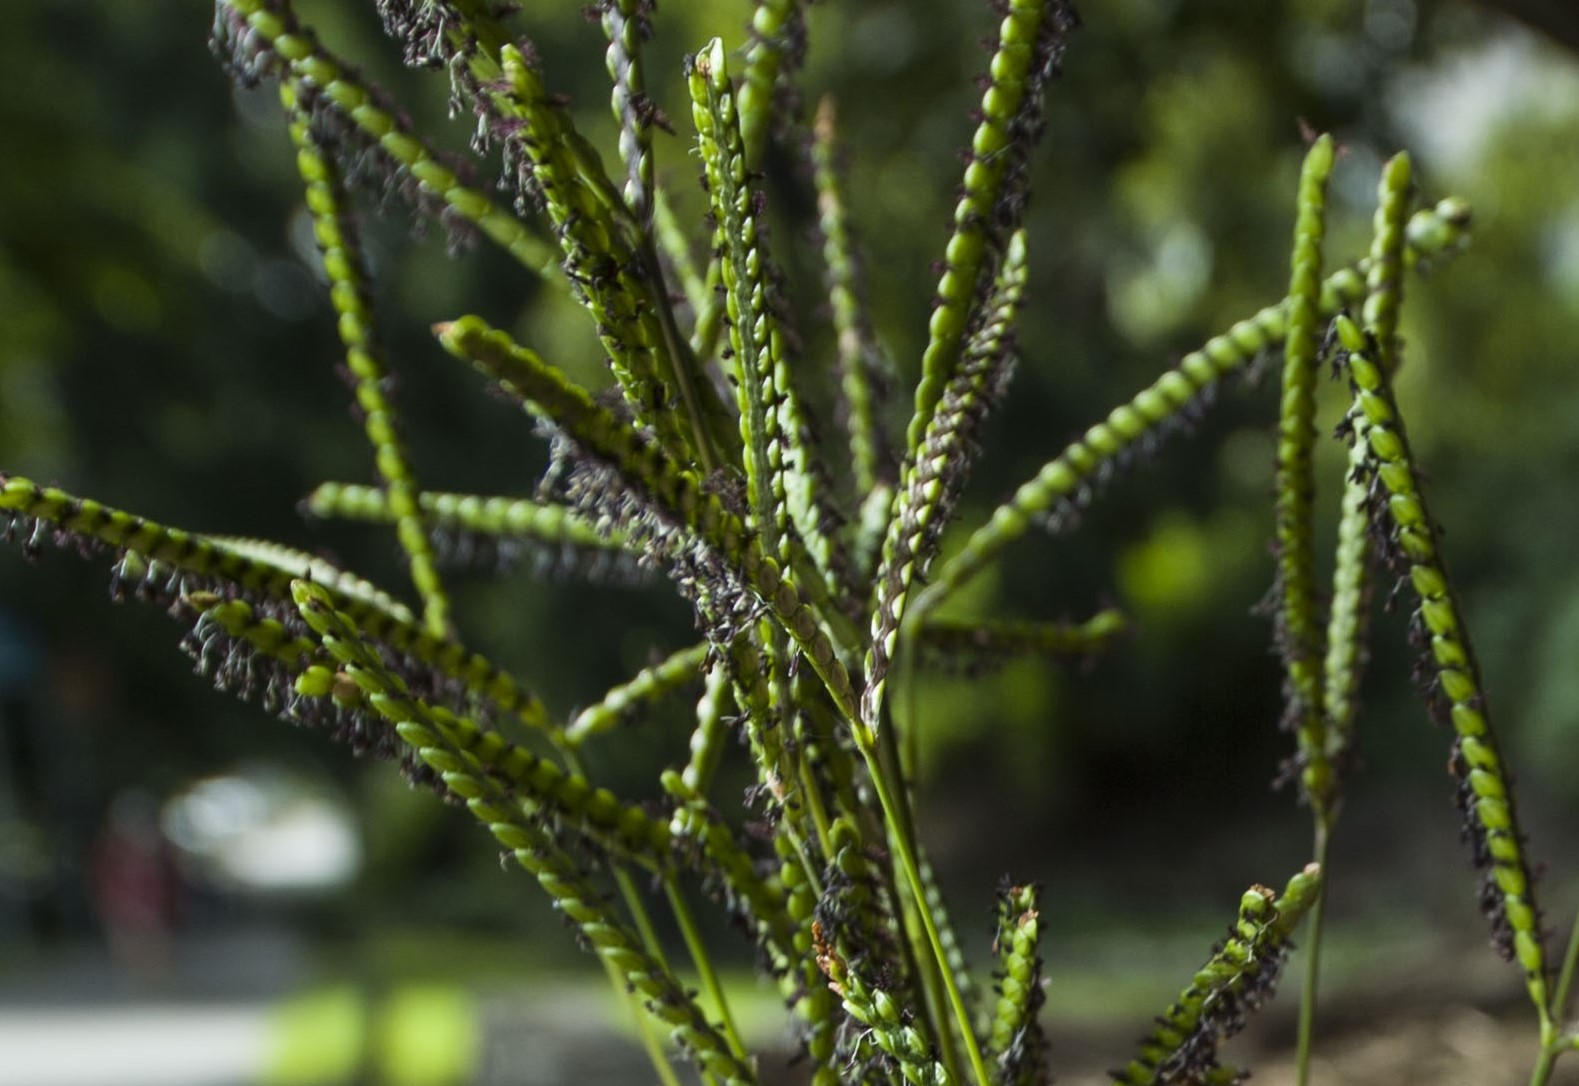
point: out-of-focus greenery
(163, 346)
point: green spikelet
(1069, 481)
(1299, 631)
(778, 34)
(452, 744)
(898, 1034)
(1030, 40)
(782, 485)
(514, 825)
(1241, 975)
(737, 881)
(280, 46)
(1349, 619)
(629, 699)
(626, 24)
(1015, 1042)
(708, 737)
(1457, 691)
(462, 520)
(335, 232)
(165, 563)
(933, 479)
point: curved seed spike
(778, 45)
(1030, 41)
(678, 492)
(1298, 613)
(897, 1031)
(1349, 619)
(338, 245)
(463, 746)
(1413, 547)
(973, 645)
(708, 737)
(1015, 1041)
(626, 24)
(815, 1006)
(1240, 976)
(1068, 481)
(553, 525)
(933, 479)
(210, 562)
(290, 50)
(866, 376)
(473, 771)
(629, 699)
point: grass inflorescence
(814, 578)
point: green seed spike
(897, 1032)
(1414, 547)
(646, 468)
(1299, 631)
(992, 203)
(292, 51)
(209, 562)
(933, 479)
(451, 744)
(782, 484)
(1349, 618)
(629, 699)
(707, 740)
(339, 246)
(778, 33)
(551, 525)
(865, 372)
(475, 677)
(1015, 1042)
(1066, 482)
(1241, 975)
(745, 891)
(601, 246)
(472, 772)
(626, 25)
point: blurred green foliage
(163, 346)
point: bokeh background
(164, 346)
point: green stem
(1543, 1066)
(1565, 979)
(704, 965)
(1307, 994)
(893, 814)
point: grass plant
(810, 549)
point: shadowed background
(164, 347)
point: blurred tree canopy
(163, 347)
